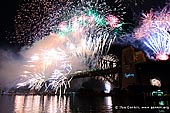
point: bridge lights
(107, 88)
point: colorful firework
(36, 18)
(154, 34)
(80, 35)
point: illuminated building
(128, 67)
(130, 58)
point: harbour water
(74, 104)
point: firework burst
(154, 33)
(47, 66)
(83, 31)
(37, 18)
(47, 69)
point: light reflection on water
(65, 104)
(108, 102)
(34, 104)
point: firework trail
(154, 34)
(81, 33)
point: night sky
(8, 11)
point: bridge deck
(108, 74)
(97, 72)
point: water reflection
(34, 104)
(108, 102)
(64, 104)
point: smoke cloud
(15, 65)
(11, 65)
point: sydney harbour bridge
(106, 69)
(119, 73)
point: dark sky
(7, 12)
